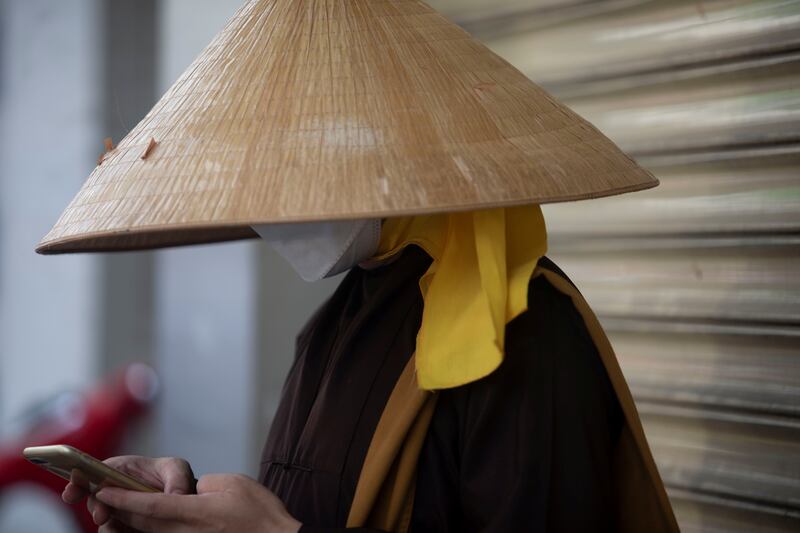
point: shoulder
(552, 325)
(551, 367)
(549, 338)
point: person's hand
(168, 474)
(223, 503)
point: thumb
(217, 483)
(177, 476)
(183, 487)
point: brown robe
(548, 442)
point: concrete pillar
(206, 302)
(129, 91)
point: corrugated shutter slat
(697, 281)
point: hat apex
(305, 111)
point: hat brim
(308, 111)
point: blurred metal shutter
(697, 281)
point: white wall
(50, 138)
(49, 141)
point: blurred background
(697, 281)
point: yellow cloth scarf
(476, 284)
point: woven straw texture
(303, 110)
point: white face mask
(319, 250)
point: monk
(544, 439)
(456, 380)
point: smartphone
(81, 468)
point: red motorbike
(94, 421)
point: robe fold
(550, 441)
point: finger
(177, 475)
(133, 522)
(110, 527)
(73, 494)
(169, 474)
(124, 462)
(130, 522)
(100, 511)
(139, 467)
(151, 505)
(115, 526)
(78, 478)
(220, 482)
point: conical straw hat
(303, 110)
